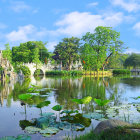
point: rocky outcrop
(109, 124)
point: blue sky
(51, 21)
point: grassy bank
(76, 73)
(113, 134)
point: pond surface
(119, 90)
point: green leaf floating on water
(23, 137)
(68, 112)
(64, 125)
(77, 127)
(19, 137)
(32, 130)
(8, 138)
(25, 97)
(85, 100)
(57, 107)
(101, 102)
(94, 115)
(45, 103)
(49, 130)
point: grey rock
(109, 124)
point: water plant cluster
(50, 123)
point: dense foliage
(26, 71)
(99, 47)
(98, 51)
(133, 60)
(64, 73)
(67, 51)
(31, 51)
(121, 71)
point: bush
(64, 73)
(121, 71)
(26, 71)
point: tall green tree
(26, 52)
(132, 61)
(104, 42)
(67, 51)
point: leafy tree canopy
(101, 45)
(67, 50)
(133, 60)
(31, 51)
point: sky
(52, 20)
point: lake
(119, 90)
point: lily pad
(8, 138)
(57, 107)
(46, 135)
(68, 112)
(78, 127)
(49, 130)
(32, 130)
(48, 114)
(25, 97)
(64, 126)
(23, 137)
(94, 115)
(42, 122)
(42, 104)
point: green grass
(120, 133)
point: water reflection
(63, 90)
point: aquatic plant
(69, 112)
(24, 98)
(57, 108)
(100, 102)
(136, 98)
(43, 104)
(85, 100)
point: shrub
(64, 73)
(121, 71)
(26, 71)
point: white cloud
(19, 6)
(92, 4)
(26, 33)
(50, 46)
(130, 50)
(136, 27)
(128, 5)
(76, 23)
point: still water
(119, 90)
